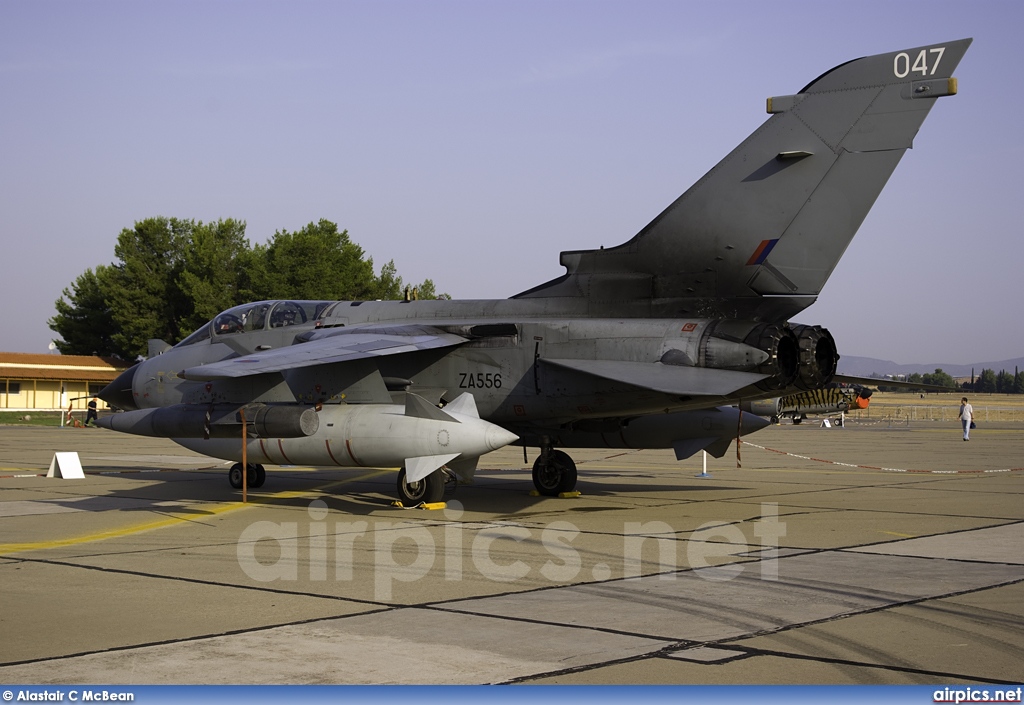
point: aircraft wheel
(257, 476)
(235, 476)
(429, 489)
(555, 476)
(797, 420)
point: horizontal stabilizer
(667, 379)
(418, 468)
(359, 344)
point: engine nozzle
(818, 356)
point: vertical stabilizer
(759, 235)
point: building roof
(89, 368)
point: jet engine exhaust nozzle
(818, 356)
(783, 351)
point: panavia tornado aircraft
(646, 345)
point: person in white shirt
(966, 417)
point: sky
(472, 141)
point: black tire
(258, 475)
(797, 420)
(429, 489)
(235, 476)
(555, 476)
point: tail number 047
(480, 380)
(901, 65)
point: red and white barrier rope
(875, 467)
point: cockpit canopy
(261, 315)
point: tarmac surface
(785, 570)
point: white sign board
(66, 466)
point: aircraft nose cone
(119, 392)
(497, 437)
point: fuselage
(502, 362)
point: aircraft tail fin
(761, 232)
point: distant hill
(866, 366)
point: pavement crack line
(678, 644)
(182, 640)
(209, 583)
(683, 645)
(959, 677)
(562, 625)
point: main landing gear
(257, 476)
(554, 472)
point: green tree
(1004, 382)
(938, 378)
(986, 382)
(427, 290)
(389, 284)
(317, 262)
(84, 321)
(390, 287)
(213, 259)
(171, 276)
(1018, 382)
(143, 294)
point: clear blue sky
(473, 141)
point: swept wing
(328, 347)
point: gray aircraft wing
(341, 345)
(667, 379)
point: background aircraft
(836, 398)
(644, 345)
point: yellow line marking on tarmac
(11, 548)
(902, 536)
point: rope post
(704, 471)
(245, 458)
(739, 437)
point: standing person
(966, 417)
(91, 414)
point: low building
(30, 381)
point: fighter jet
(649, 344)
